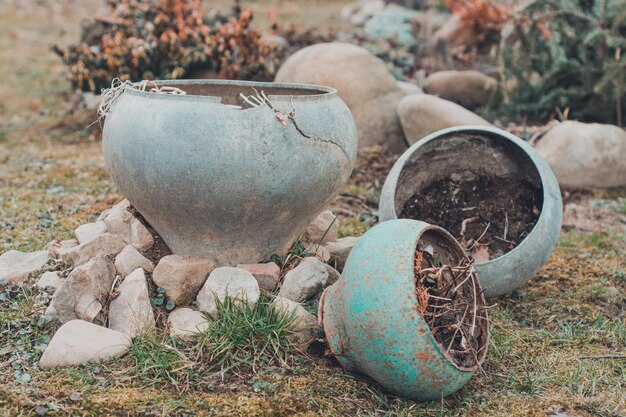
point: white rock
(181, 277)
(586, 155)
(307, 280)
(107, 244)
(120, 221)
(267, 275)
(363, 82)
(340, 250)
(84, 291)
(130, 259)
(470, 89)
(236, 283)
(78, 342)
(423, 114)
(325, 225)
(409, 88)
(58, 248)
(186, 323)
(50, 280)
(305, 324)
(89, 232)
(140, 236)
(16, 267)
(131, 311)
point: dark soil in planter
(490, 216)
(449, 298)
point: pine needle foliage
(564, 58)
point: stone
(131, 311)
(130, 259)
(393, 22)
(358, 12)
(319, 251)
(50, 280)
(107, 244)
(307, 280)
(267, 275)
(16, 267)
(305, 324)
(340, 250)
(236, 283)
(181, 277)
(409, 88)
(423, 114)
(140, 236)
(325, 226)
(470, 89)
(351, 70)
(585, 155)
(78, 342)
(84, 292)
(185, 323)
(89, 232)
(120, 221)
(58, 248)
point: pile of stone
(107, 298)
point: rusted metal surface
(232, 185)
(449, 151)
(371, 320)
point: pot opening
(450, 300)
(230, 92)
(482, 189)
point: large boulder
(131, 311)
(423, 114)
(362, 81)
(586, 155)
(470, 89)
(16, 267)
(84, 292)
(78, 342)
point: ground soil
(498, 212)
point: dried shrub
(167, 39)
(485, 17)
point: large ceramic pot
(371, 317)
(473, 150)
(230, 184)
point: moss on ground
(549, 338)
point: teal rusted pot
(371, 320)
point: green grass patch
(246, 336)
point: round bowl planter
(223, 180)
(472, 150)
(371, 315)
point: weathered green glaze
(225, 183)
(370, 315)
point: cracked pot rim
(324, 92)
